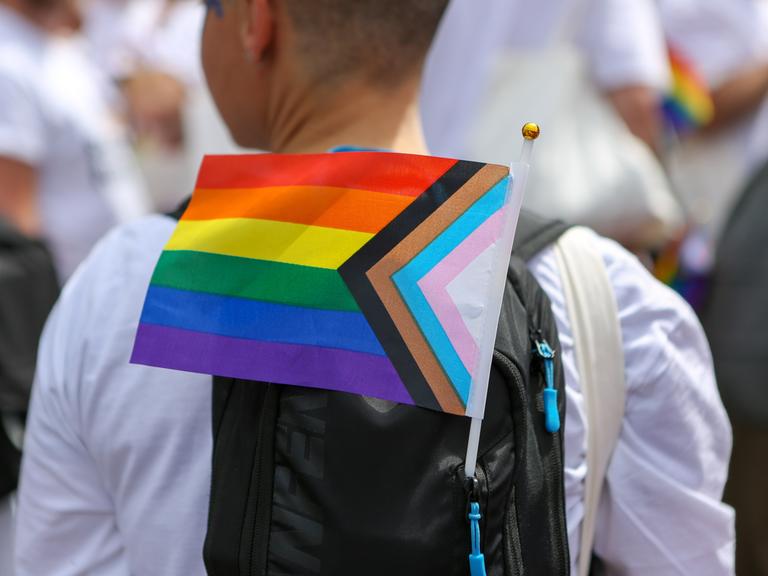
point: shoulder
(95, 421)
(660, 331)
(105, 295)
(127, 255)
(119, 268)
(655, 321)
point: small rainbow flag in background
(689, 105)
(362, 272)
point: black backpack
(28, 289)
(736, 314)
(314, 482)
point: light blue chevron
(406, 279)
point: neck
(354, 116)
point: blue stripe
(406, 281)
(257, 320)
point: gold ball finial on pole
(531, 131)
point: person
(733, 316)
(623, 46)
(117, 467)
(592, 73)
(150, 50)
(65, 166)
(727, 43)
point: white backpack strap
(598, 346)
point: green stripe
(255, 279)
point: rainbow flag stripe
(329, 271)
(689, 105)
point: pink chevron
(434, 287)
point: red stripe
(402, 174)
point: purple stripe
(310, 366)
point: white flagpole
(519, 171)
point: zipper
(563, 559)
(552, 423)
(513, 373)
(259, 497)
(546, 354)
(514, 547)
(475, 488)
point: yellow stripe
(269, 240)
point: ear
(259, 32)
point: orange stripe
(342, 208)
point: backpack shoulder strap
(180, 209)
(535, 233)
(599, 351)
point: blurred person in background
(592, 73)
(623, 44)
(66, 170)
(722, 173)
(66, 177)
(727, 42)
(150, 49)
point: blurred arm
(626, 50)
(739, 96)
(22, 149)
(18, 196)
(638, 106)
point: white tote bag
(589, 169)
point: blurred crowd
(655, 128)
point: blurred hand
(155, 102)
(639, 108)
(739, 96)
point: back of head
(274, 66)
(384, 40)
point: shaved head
(275, 66)
(383, 40)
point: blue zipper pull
(476, 558)
(551, 413)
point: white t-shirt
(53, 116)
(623, 44)
(116, 474)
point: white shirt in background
(125, 34)
(54, 117)
(116, 474)
(622, 42)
